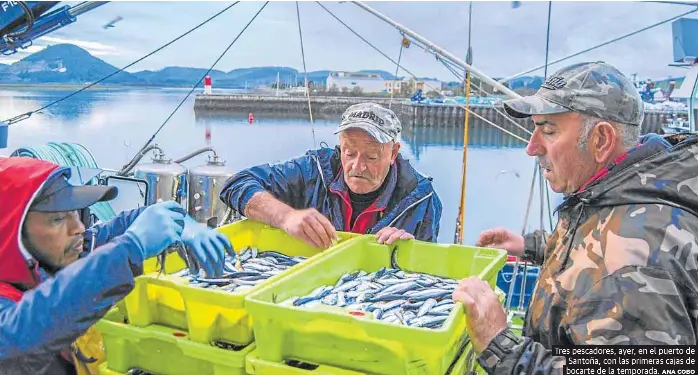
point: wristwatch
(502, 344)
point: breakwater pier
(410, 113)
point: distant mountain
(64, 63)
(70, 64)
(176, 76)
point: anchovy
(242, 271)
(426, 307)
(428, 321)
(391, 296)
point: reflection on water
(114, 124)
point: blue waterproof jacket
(42, 314)
(315, 180)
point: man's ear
(395, 151)
(604, 141)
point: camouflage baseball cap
(593, 88)
(378, 121)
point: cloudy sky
(505, 40)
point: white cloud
(94, 48)
(505, 40)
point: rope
(26, 115)
(448, 66)
(510, 294)
(69, 155)
(305, 72)
(413, 75)
(602, 44)
(203, 76)
(542, 180)
(29, 18)
(397, 69)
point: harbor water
(114, 124)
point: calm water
(114, 124)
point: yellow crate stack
(166, 327)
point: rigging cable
(545, 76)
(602, 44)
(413, 75)
(305, 71)
(460, 77)
(26, 115)
(537, 171)
(518, 259)
(123, 170)
(449, 66)
(403, 43)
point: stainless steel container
(166, 180)
(205, 184)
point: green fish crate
(341, 338)
(465, 365)
(214, 316)
(163, 351)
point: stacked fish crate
(176, 324)
(357, 308)
(369, 308)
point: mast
(460, 225)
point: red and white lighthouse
(207, 85)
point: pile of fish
(243, 271)
(390, 294)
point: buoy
(250, 118)
(208, 135)
(207, 85)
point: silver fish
(391, 295)
(255, 267)
(426, 307)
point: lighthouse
(207, 85)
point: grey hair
(397, 139)
(629, 134)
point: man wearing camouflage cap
(363, 185)
(621, 268)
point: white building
(424, 85)
(367, 82)
(394, 86)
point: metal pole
(547, 44)
(85, 7)
(440, 51)
(691, 103)
(597, 46)
(466, 129)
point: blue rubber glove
(158, 227)
(206, 248)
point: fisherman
(57, 279)
(363, 185)
(621, 268)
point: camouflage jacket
(621, 266)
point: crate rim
(445, 330)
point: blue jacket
(42, 314)
(314, 180)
